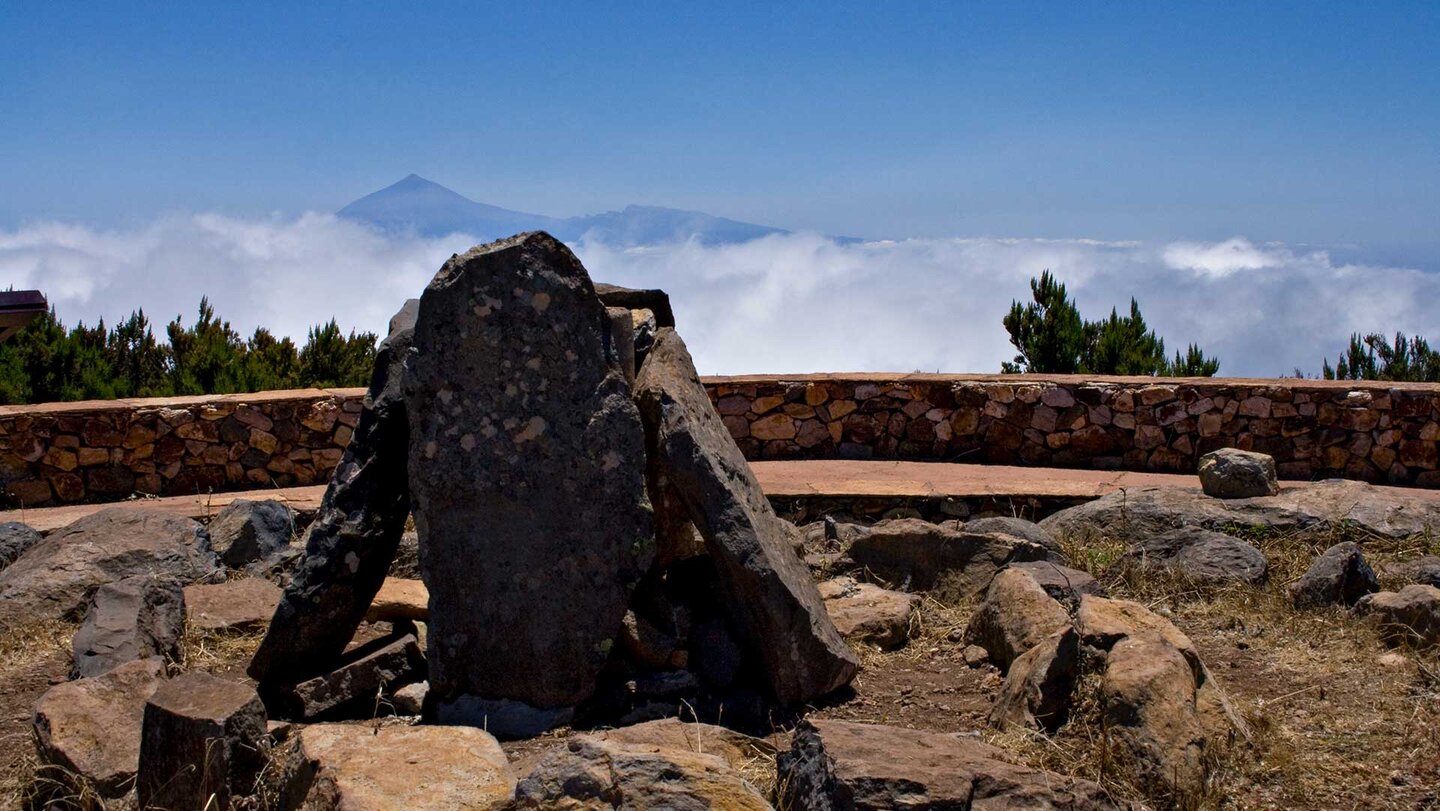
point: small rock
(362, 677)
(347, 767)
(88, 730)
(410, 699)
(866, 613)
(1339, 575)
(591, 772)
(1202, 555)
(246, 532)
(1232, 473)
(134, 618)
(204, 740)
(15, 539)
(236, 606)
(1411, 615)
(1016, 616)
(975, 656)
(1393, 660)
(867, 767)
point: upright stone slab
(204, 740)
(768, 591)
(353, 539)
(527, 463)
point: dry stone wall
(1379, 432)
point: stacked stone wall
(1379, 432)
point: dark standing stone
(15, 538)
(203, 741)
(56, 577)
(1339, 575)
(249, 531)
(527, 463)
(352, 541)
(135, 618)
(767, 590)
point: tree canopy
(1371, 357)
(46, 362)
(1050, 337)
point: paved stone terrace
(829, 483)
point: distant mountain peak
(421, 206)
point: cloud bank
(785, 303)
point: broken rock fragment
(527, 471)
(134, 618)
(204, 741)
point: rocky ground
(1337, 716)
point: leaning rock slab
(56, 576)
(1231, 473)
(361, 678)
(590, 772)
(237, 606)
(90, 728)
(204, 741)
(1016, 615)
(866, 613)
(916, 555)
(866, 767)
(1038, 686)
(767, 589)
(346, 767)
(1339, 575)
(1202, 555)
(527, 470)
(135, 618)
(353, 539)
(1410, 615)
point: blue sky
(1309, 123)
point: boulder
(1018, 528)
(915, 555)
(1016, 615)
(15, 539)
(590, 772)
(833, 765)
(55, 578)
(247, 532)
(135, 618)
(87, 732)
(866, 613)
(1317, 508)
(1339, 575)
(527, 471)
(347, 767)
(351, 542)
(410, 699)
(400, 601)
(363, 677)
(204, 741)
(1232, 473)
(1411, 615)
(1039, 684)
(1148, 700)
(765, 587)
(1061, 582)
(235, 607)
(1202, 555)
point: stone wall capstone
(1380, 432)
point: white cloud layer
(796, 303)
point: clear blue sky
(1304, 122)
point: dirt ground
(1339, 720)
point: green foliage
(46, 362)
(1052, 338)
(1370, 357)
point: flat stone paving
(784, 479)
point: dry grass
(1331, 726)
(21, 649)
(211, 650)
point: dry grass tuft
(210, 650)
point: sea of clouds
(792, 303)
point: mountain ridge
(424, 207)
